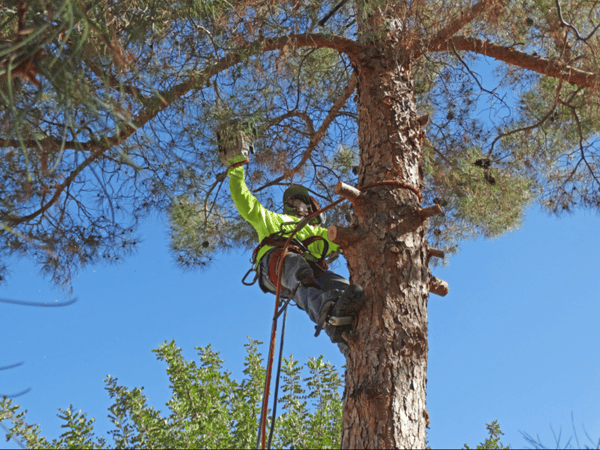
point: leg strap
(274, 265)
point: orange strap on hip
(274, 263)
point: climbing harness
(299, 247)
(277, 241)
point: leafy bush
(207, 409)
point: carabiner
(252, 269)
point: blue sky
(516, 339)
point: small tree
(207, 410)
(493, 441)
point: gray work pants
(309, 299)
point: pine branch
(544, 66)
(64, 185)
(161, 100)
(49, 144)
(464, 18)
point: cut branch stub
(351, 194)
(436, 252)
(431, 211)
(437, 286)
(342, 236)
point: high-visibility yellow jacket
(267, 222)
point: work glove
(233, 161)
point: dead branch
(438, 287)
(343, 236)
(431, 211)
(436, 252)
(351, 194)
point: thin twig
(12, 366)
(18, 394)
(568, 25)
(493, 94)
(319, 134)
(581, 148)
(40, 304)
(530, 127)
(331, 13)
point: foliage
(493, 441)
(109, 112)
(198, 229)
(97, 141)
(207, 409)
(297, 427)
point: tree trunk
(386, 373)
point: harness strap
(320, 265)
(277, 240)
(274, 263)
(300, 247)
(272, 240)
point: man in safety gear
(329, 299)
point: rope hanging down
(277, 378)
(301, 224)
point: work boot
(343, 310)
(307, 279)
(350, 302)
(329, 301)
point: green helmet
(307, 204)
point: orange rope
(263, 424)
(392, 183)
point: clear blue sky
(516, 339)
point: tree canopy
(109, 112)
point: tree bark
(386, 373)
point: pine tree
(110, 111)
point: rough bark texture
(386, 373)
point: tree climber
(329, 299)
